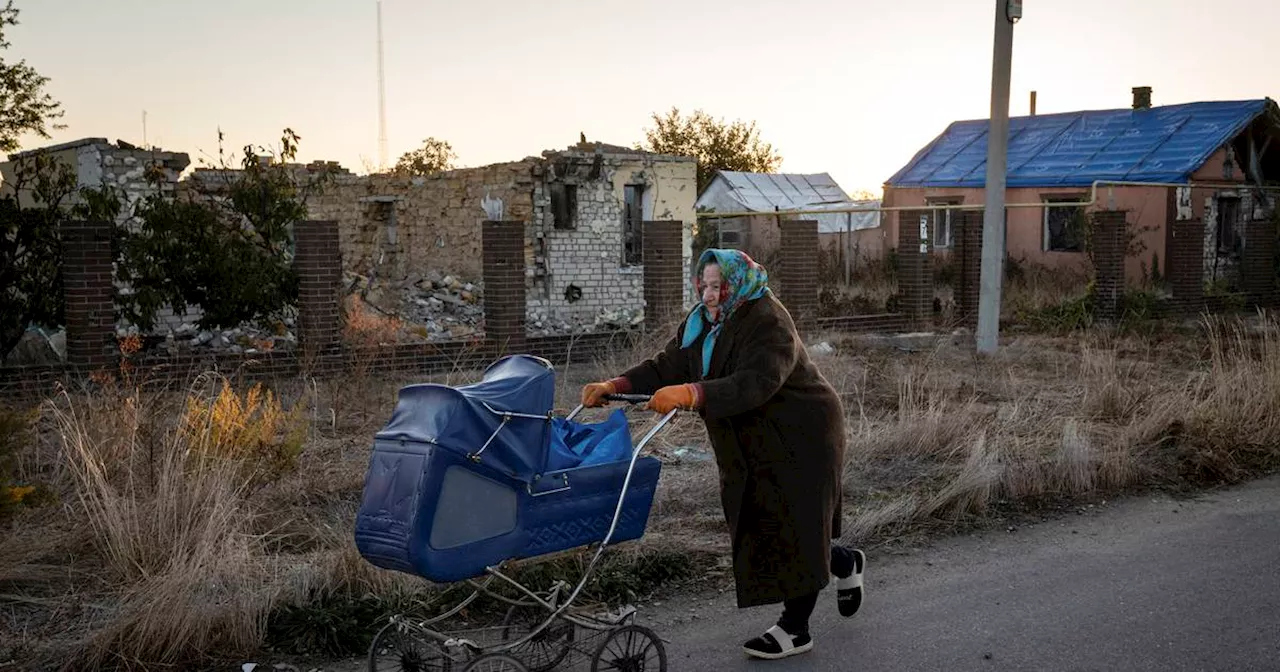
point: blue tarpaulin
(575, 444)
(1161, 144)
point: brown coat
(778, 431)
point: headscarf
(742, 280)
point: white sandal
(776, 644)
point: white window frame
(942, 221)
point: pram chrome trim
(558, 612)
(506, 417)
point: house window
(564, 205)
(1228, 225)
(632, 221)
(942, 222)
(1064, 226)
(731, 234)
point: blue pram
(463, 480)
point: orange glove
(667, 399)
(593, 393)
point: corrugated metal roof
(1162, 144)
(766, 192)
(763, 192)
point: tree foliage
(716, 144)
(24, 106)
(224, 245)
(43, 192)
(434, 156)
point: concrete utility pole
(988, 336)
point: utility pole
(993, 224)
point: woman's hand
(667, 399)
(593, 393)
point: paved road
(1146, 584)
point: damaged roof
(1160, 144)
(766, 192)
(733, 191)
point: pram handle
(629, 398)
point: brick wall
(588, 257)
(1185, 266)
(915, 272)
(504, 306)
(318, 262)
(1110, 246)
(663, 273)
(576, 269)
(1257, 265)
(90, 294)
(798, 272)
(968, 251)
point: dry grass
(191, 549)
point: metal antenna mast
(382, 100)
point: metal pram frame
(525, 642)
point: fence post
(1110, 247)
(1257, 265)
(969, 266)
(504, 288)
(1185, 265)
(663, 271)
(915, 271)
(88, 288)
(799, 270)
(318, 263)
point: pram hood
(462, 419)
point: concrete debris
(37, 348)
(821, 349)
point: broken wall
(400, 228)
(96, 163)
(578, 270)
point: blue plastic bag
(576, 444)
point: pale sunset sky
(853, 88)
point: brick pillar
(1257, 263)
(318, 262)
(1185, 265)
(968, 253)
(915, 272)
(504, 292)
(1110, 245)
(798, 270)
(663, 273)
(89, 293)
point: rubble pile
(179, 336)
(435, 307)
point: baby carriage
(466, 481)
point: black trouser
(797, 610)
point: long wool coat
(778, 431)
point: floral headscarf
(743, 280)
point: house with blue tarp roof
(1205, 161)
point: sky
(853, 88)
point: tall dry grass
(194, 549)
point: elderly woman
(777, 428)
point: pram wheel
(395, 649)
(631, 648)
(548, 648)
(495, 662)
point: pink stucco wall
(1147, 208)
